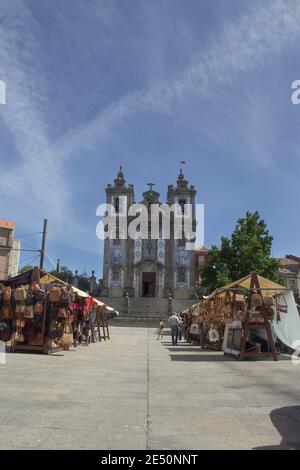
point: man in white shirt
(174, 323)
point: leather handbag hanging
(29, 312)
(62, 312)
(268, 301)
(30, 297)
(55, 294)
(6, 332)
(39, 308)
(65, 295)
(20, 294)
(6, 294)
(6, 312)
(40, 295)
(194, 329)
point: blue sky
(95, 83)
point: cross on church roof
(150, 186)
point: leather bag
(38, 308)
(29, 312)
(55, 294)
(20, 294)
(6, 294)
(62, 312)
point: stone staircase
(144, 312)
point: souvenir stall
(39, 312)
(202, 325)
(245, 312)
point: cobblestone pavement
(135, 392)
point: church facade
(151, 267)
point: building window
(181, 202)
(181, 275)
(116, 274)
(117, 205)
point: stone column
(75, 280)
(93, 283)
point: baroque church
(149, 267)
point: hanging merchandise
(62, 313)
(6, 312)
(6, 294)
(29, 312)
(20, 294)
(194, 329)
(213, 335)
(39, 312)
(55, 295)
(38, 308)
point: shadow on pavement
(287, 422)
(201, 357)
(178, 353)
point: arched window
(181, 273)
(182, 203)
(116, 274)
(117, 205)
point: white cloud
(39, 176)
(242, 47)
(40, 180)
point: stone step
(145, 311)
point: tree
(64, 275)
(248, 250)
(83, 282)
(25, 268)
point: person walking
(174, 324)
(160, 330)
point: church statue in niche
(149, 267)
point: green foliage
(248, 250)
(64, 275)
(25, 268)
(84, 282)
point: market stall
(247, 316)
(39, 312)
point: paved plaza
(134, 392)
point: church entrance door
(149, 283)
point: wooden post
(255, 284)
(43, 250)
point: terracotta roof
(288, 261)
(202, 250)
(7, 224)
